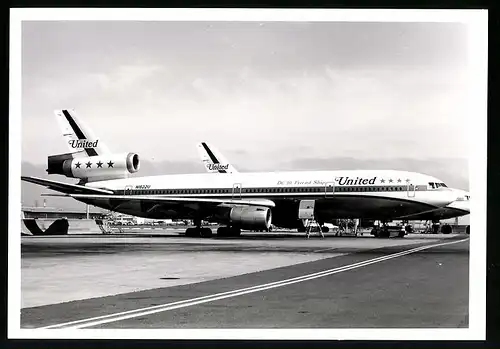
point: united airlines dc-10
(237, 200)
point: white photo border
(477, 21)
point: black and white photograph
(247, 174)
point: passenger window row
(369, 189)
(265, 190)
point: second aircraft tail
(213, 160)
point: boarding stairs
(306, 214)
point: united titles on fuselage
(338, 181)
(357, 181)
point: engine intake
(93, 168)
(245, 217)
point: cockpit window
(433, 185)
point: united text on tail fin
(213, 160)
(79, 138)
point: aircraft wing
(65, 187)
(170, 200)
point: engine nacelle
(245, 217)
(94, 168)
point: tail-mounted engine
(94, 168)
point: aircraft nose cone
(462, 202)
(462, 195)
(449, 196)
(460, 205)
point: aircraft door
(127, 190)
(410, 190)
(329, 189)
(236, 191)
(306, 209)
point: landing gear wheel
(435, 228)
(222, 231)
(228, 231)
(205, 232)
(446, 229)
(191, 232)
(384, 233)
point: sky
(264, 93)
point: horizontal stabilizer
(65, 187)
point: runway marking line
(103, 319)
(325, 249)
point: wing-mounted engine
(94, 168)
(245, 217)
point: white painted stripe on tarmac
(325, 249)
(104, 319)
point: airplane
(211, 157)
(237, 200)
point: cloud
(364, 90)
(353, 112)
(125, 77)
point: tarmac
(265, 280)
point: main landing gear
(198, 231)
(228, 231)
(436, 227)
(446, 229)
(384, 230)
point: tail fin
(80, 140)
(213, 160)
